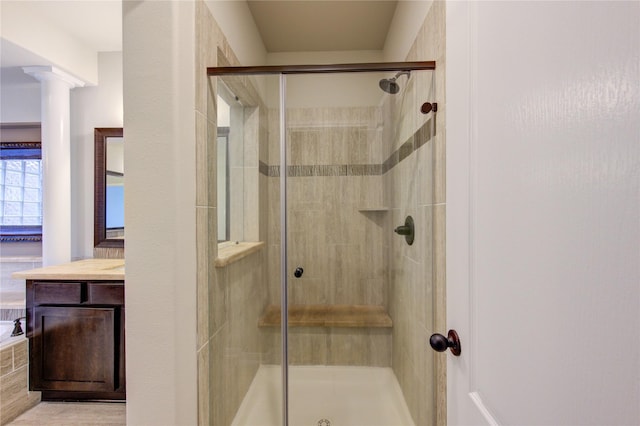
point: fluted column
(55, 86)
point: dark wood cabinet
(76, 339)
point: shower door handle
(440, 343)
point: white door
(543, 212)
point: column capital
(51, 73)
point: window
(20, 191)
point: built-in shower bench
(359, 316)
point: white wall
(91, 107)
(331, 90)
(237, 24)
(159, 118)
(327, 57)
(19, 103)
(543, 141)
(407, 20)
(23, 25)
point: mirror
(108, 230)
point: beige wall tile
(304, 147)
(354, 346)
(308, 346)
(426, 174)
(202, 165)
(274, 274)
(108, 253)
(439, 230)
(251, 133)
(202, 275)
(379, 347)
(251, 204)
(205, 53)
(219, 389)
(271, 339)
(14, 396)
(218, 299)
(263, 135)
(204, 389)
(211, 170)
(439, 174)
(308, 291)
(6, 361)
(20, 354)
(263, 215)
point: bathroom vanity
(75, 327)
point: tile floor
(74, 414)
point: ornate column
(55, 86)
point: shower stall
(326, 269)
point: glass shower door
(246, 349)
(333, 164)
(359, 161)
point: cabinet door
(74, 348)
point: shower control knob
(439, 343)
(298, 272)
(408, 230)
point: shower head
(389, 85)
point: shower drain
(324, 422)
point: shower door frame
(283, 71)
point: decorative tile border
(415, 141)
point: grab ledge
(229, 253)
(359, 316)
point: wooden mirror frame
(100, 190)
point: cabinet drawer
(106, 294)
(57, 292)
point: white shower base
(343, 396)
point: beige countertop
(88, 269)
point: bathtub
(15, 397)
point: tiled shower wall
(416, 187)
(334, 179)
(339, 246)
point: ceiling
(298, 26)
